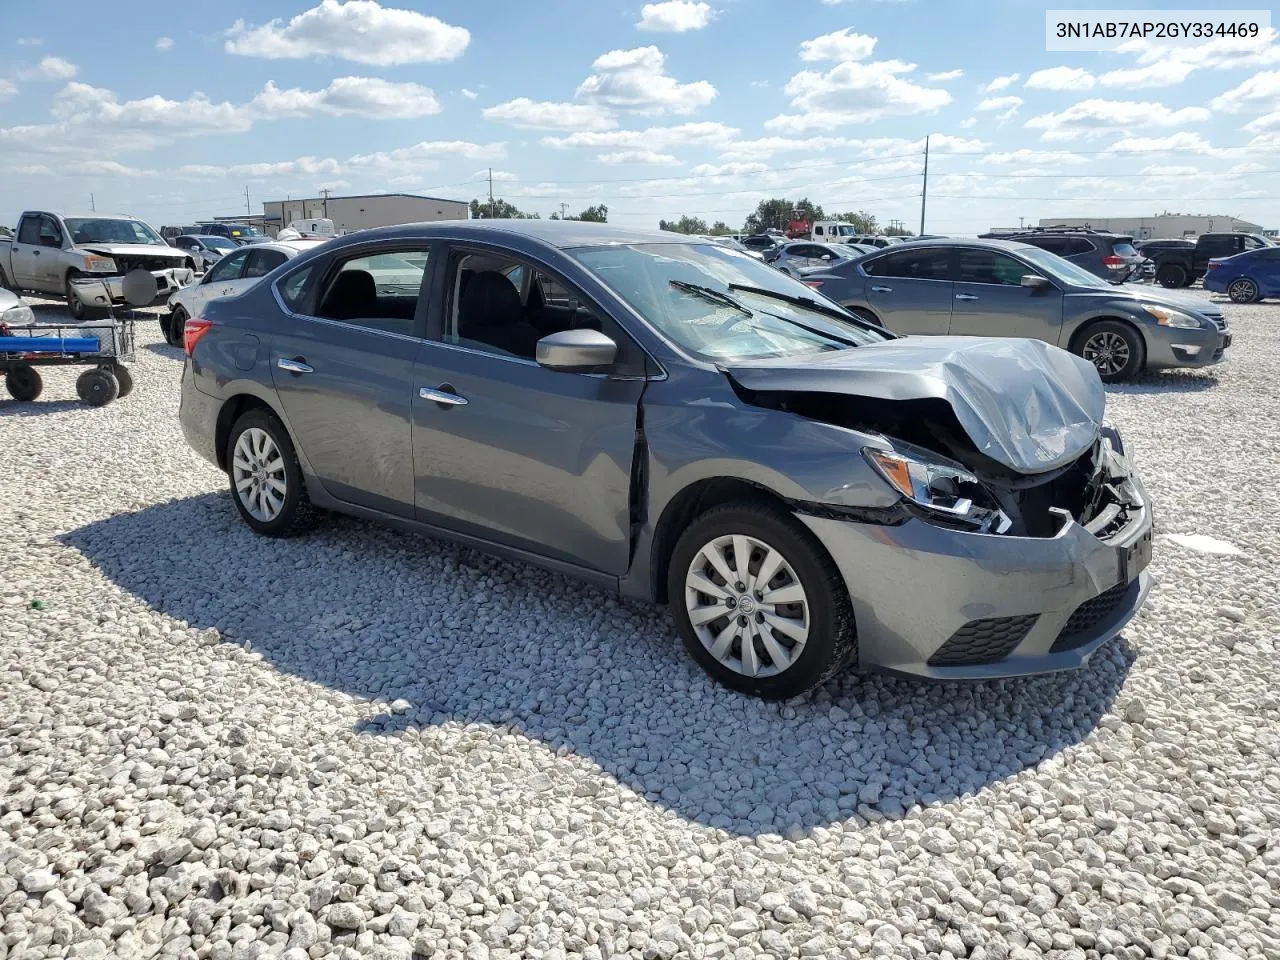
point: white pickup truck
(50, 251)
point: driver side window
(228, 268)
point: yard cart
(101, 345)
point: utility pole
(325, 193)
(564, 207)
(924, 193)
(247, 211)
(92, 207)
(491, 193)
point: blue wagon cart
(102, 346)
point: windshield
(107, 230)
(711, 328)
(846, 230)
(1060, 269)
(217, 243)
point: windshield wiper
(712, 294)
(813, 305)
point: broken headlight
(946, 492)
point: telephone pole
(325, 194)
(247, 211)
(924, 193)
(92, 206)
(564, 207)
(491, 193)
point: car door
(343, 368)
(1266, 265)
(990, 301)
(220, 281)
(28, 253)
(512, 452)
(910, 289)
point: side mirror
(826, 256)
(48, 241)
(580, 350)
(1034, 282)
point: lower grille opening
(983, 641)
(1079, 627)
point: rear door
(343, 368)
(910, 289)
(1266, 265)
(990, 301)
(518, 454)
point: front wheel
(97, 387)
(1171, 275)
(758, 602)
(1114, 349)
(175, 326)
(23, 383)
(1243, 290)
(266, 480)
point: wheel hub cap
(257, 471)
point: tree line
(499, 209)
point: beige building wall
(360, 213)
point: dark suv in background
(1110, 256)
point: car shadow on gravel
(1167, 381)
(458, 635)
(37, 408)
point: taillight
(1113, 261)
(815, 284)
(194, 329)
(1214, 264)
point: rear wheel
(23, 383)
(1243, 290)
(4, 281)
(266, 480)
(1171, 275)
(125, 379)
(758, 602)
(1114, 348)
(866, 315)
(97, 387)
(174, 326)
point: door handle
(294, 366)
(35, 253)
(882, 289)
(444, 396)
(965, 296)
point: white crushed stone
(366, 744)
(1203, 543)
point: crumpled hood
(1172, 298)
(1025, 404)
(133, 250)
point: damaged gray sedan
(675, 421)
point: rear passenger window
(262, 262)
(911, 265)
(377, 291)
(1078, 245)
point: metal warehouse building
(1164, 226)
(364, 211)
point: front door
(910, 290)
(343, 370)
(990, 301)
(512, 452)
(222, 280)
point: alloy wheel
(1243, 291)
(747, 605)
(1107, 351)
(257, 469)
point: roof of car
(558, 233)
(949, 242)
(297, 246)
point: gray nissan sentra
(676, 421)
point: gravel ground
(364, 743)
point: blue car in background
(1246, 277)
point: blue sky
(656, 110)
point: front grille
(125, 264)
(983, 641)
(1220, 323)
(1079, 627)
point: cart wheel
(97, 387)
(23, 383)
(124, 378)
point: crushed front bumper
(936, 602)
(104, 292)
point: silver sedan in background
(796, 257)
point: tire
(125, 379)
(1115, 349)
(822, 622)
(275, 460)
(23, 383)
(4, 281)
(866, 315)
(173, 329)
(1171, 275)
(1243, 290)
(97, 387)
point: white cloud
(639, 156)
(29, 41)
(1223, 53)
(1165, 73)
(1184, 142)
(1095, 117)
(1263, 124)
(164, 44)
(840, 45)
(734, 169)
(548, 115)
(945, 76)
(1000, 103)
(469, 94)
(854, 92)
(674, 16)
(50, 68)
(7, 89)
(402, 162)
(1060, 78)
(870, 148)
(1034, 157)
(359, 30)
(702, 133)
(636, 80)
(1260, 90)
(1001, 83)
(968, 123)
(361, 96)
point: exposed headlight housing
(20, 314)
(96, 264)
(945, 492)
(1169, 317)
